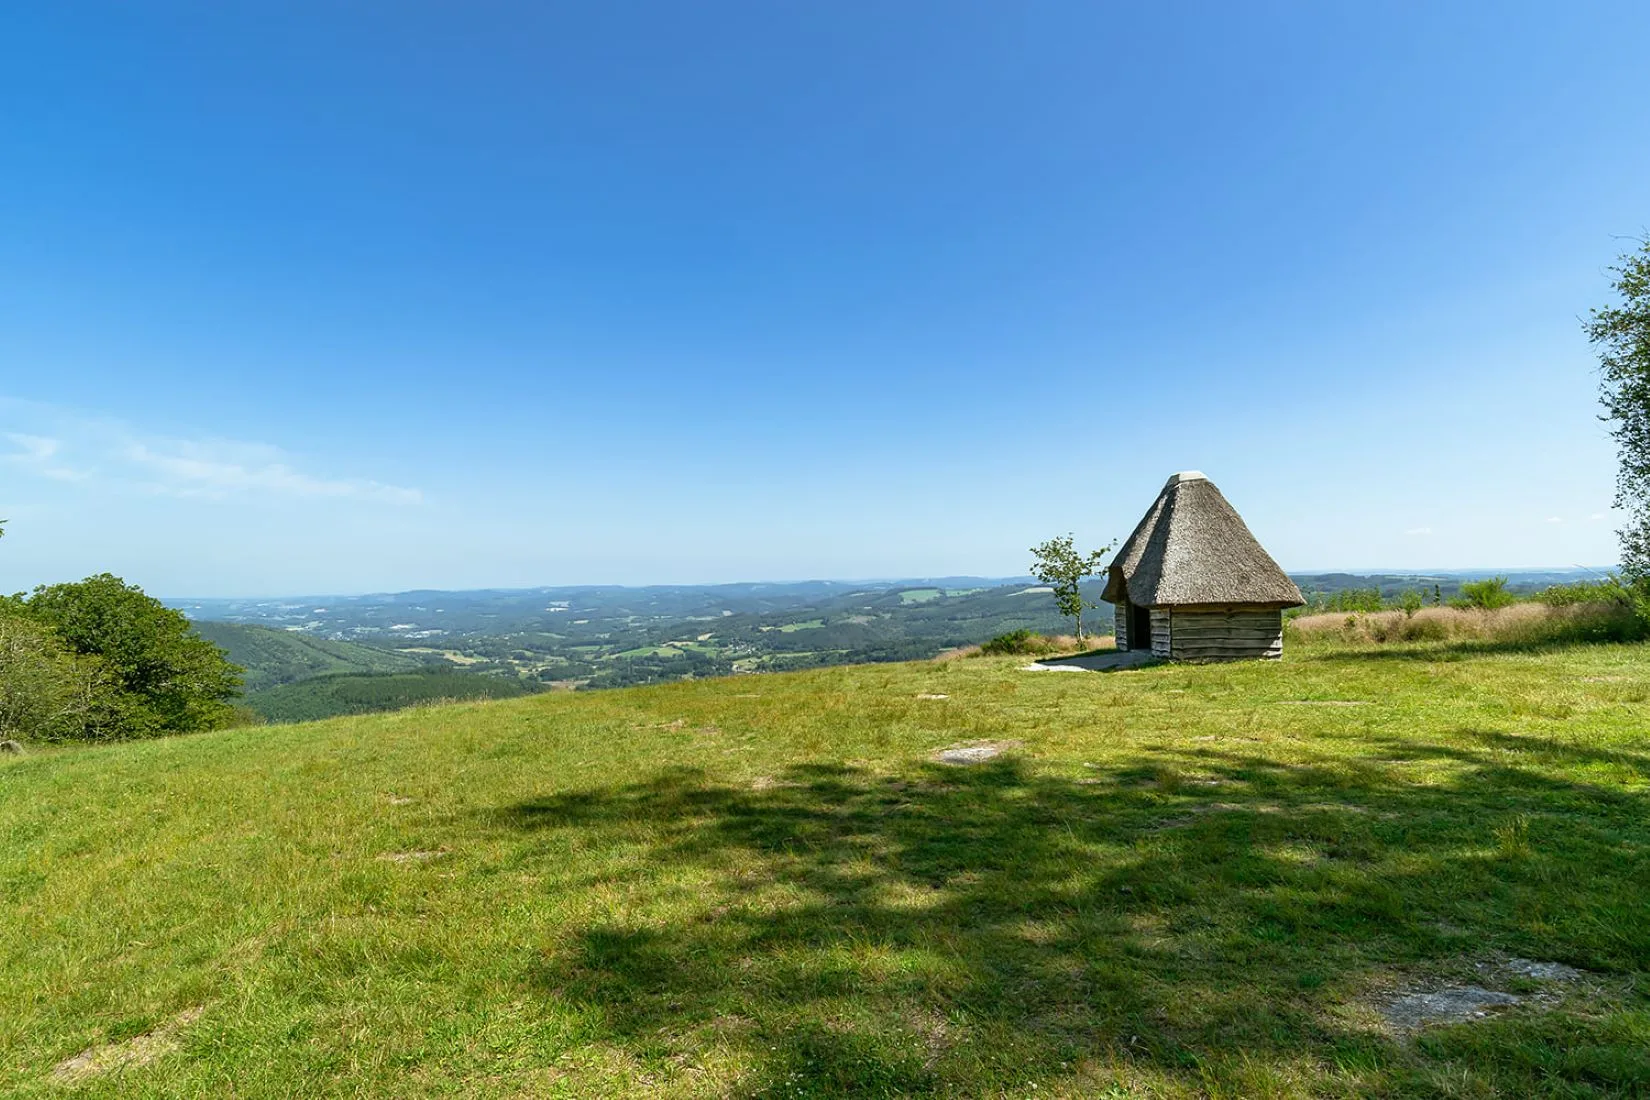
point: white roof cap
(1187, 475)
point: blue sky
(356, 297)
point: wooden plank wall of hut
(1120, 623)
(1226, 634)
(1160, 633)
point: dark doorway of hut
(1140, 627)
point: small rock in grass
(1543, 971)
(974, 754)
(10, 747)
(1456, 1004)
(931, 695)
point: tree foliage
(1488, 594)
(168, 679)
(1058, 564)
(47, 691)
(1621, 333)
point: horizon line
(1001, 579)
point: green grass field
(1183, 881)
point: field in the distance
(1183, 881)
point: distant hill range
(311, 657)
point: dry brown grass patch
(140, 1050)
(1522, 622)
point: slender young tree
(1621, 333)
(1058, 564)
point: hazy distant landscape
(314, 657)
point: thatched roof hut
(1192, 583)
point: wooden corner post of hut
(1192, 584)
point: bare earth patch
(935, 1033)
(1323, 702)
(399, 800)
(977, 753)
(931, 695)
(140, 1050)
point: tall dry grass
(1532, 623)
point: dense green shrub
(1610, 590)
(1628, 603)
(168, 679)
(1486, 595)
(1017, 641)
(47, 691)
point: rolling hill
(1178, 881)
(273, 657)
(367, 692)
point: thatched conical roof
(1193, 549)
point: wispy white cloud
(1555, 519)
(38, 454)
(82, 448)
(1597, 516)
(1419, 531)
(219, 468)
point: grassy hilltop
(1182, 881)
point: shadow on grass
(1204, 917)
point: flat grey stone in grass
(1543, 971)
(1456, 1004)
(1092, 662)
(10, 747)
(974, 754)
